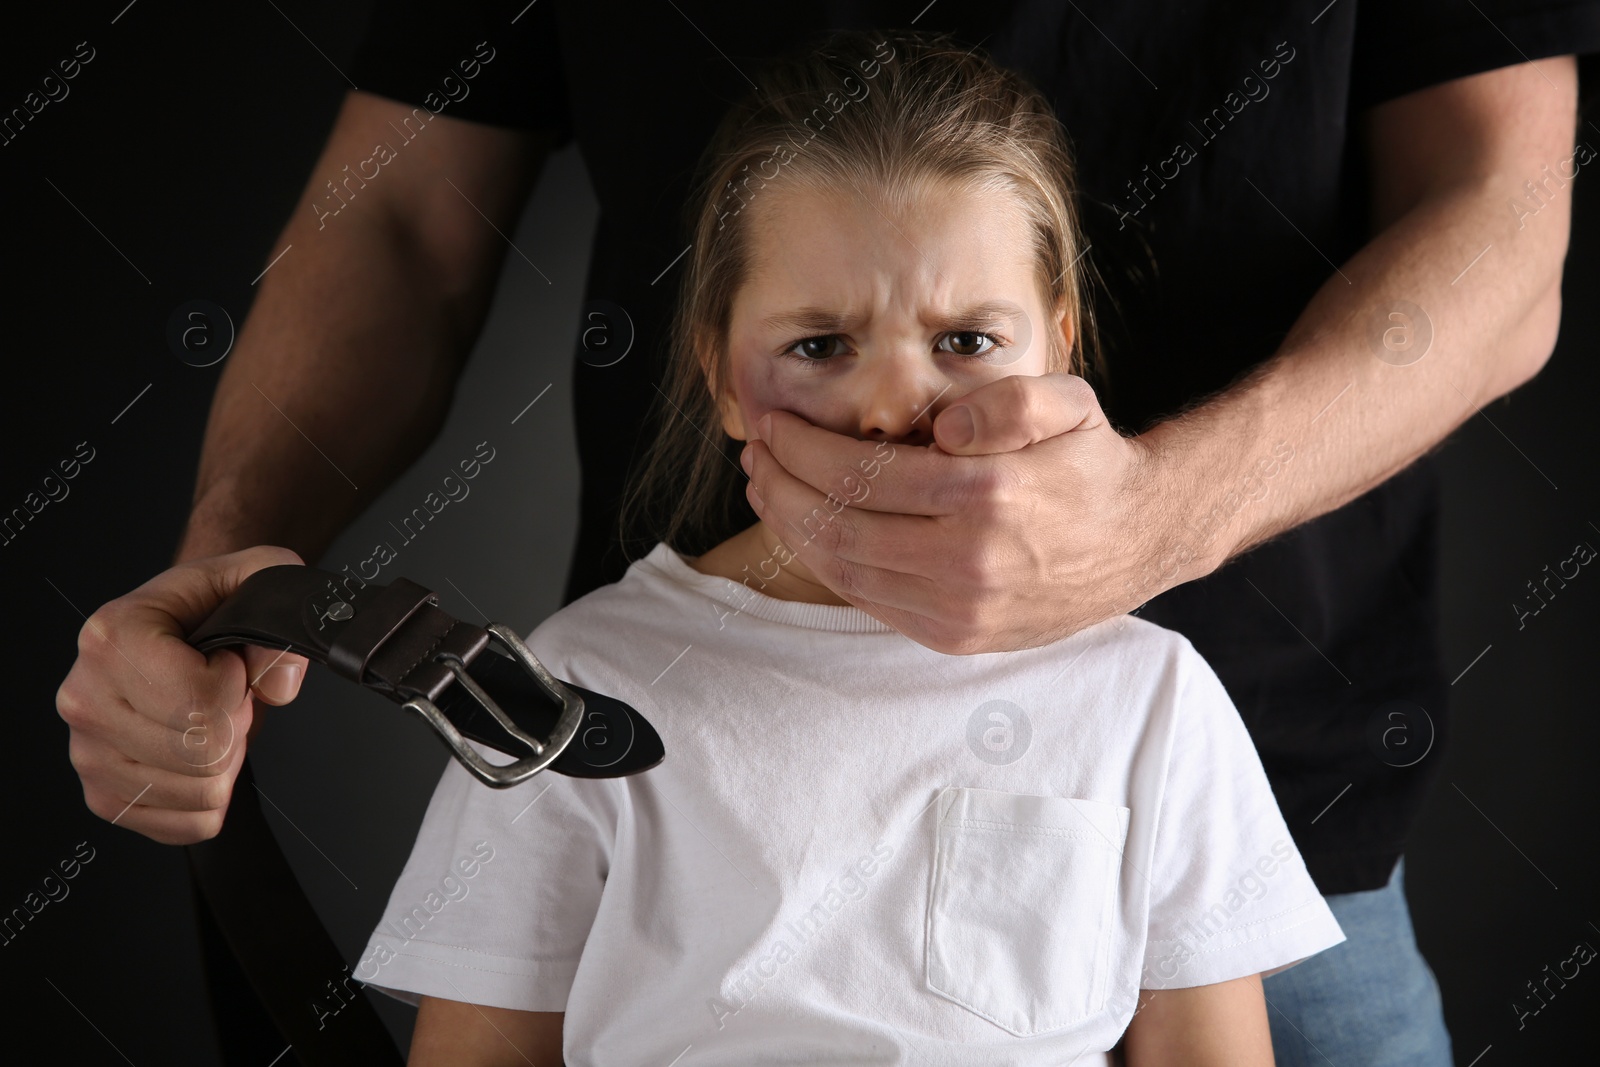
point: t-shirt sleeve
(1405, 45)
(483, 60)
(497, 899)
(1229, 893)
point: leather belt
(395, 640)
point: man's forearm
(341, 375)
(1338, 410)
(345, 367)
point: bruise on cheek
(765, 384)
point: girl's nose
(899, 405)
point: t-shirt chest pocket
(1021, 906)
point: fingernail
(959, 429)
(744, 459)
(282, 679)
(755, 497)
(764, 427)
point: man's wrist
(1182, 538)
(222, 520)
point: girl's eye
(814, 349)
(959, 342)
(968, 342)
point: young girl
(858, 850)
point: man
(1313, 276)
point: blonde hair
(853, 111)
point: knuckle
(72, 708)
(949, 639)
(820, 528)
(1019, 399)
(100, 804)
(986, 486)
(980, 516)
(209, 769)
(968, 643)
(845, 534)
(213, 794)
(955, 646)
(950, 493)
(827, 529)
(212, 696)
(1011, 492)
(92, 637)
(963, 490)
(82, 758)
(204, 826)
(850, 575)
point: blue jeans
(1370, 1001)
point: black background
(184, 144)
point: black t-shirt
(1208, 255)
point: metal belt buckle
(395, 640)
(543, 753)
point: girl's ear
(1067, 330)
(722, 394)
(732, 417)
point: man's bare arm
(1449, 162)
(355, 341)
(359, 331)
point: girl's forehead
(941, 215)
(855, 255)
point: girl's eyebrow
(826, 320)
(806, 319)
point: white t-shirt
(857, 850)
